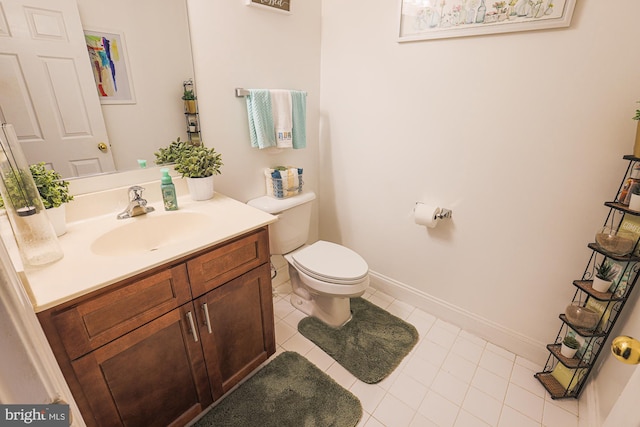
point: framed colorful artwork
(108, 56)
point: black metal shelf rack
(192, 115)
(566, 377)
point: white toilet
(323, 275)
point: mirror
(153, 42)
(158, 48)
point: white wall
(521, 134)
(238, 46)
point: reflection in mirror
(158, 56)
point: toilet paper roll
(426, 215)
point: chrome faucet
(137, 205)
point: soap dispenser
(168, 191)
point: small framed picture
(283, 6)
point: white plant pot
(634, 202)
(567, 351)
(58, 218)
(200, 188)
(601, 285)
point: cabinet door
(152, 376)
(236, 326)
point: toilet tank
(294, 218)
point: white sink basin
(149, 232)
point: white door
(29, 373)
(625, 410)
(47, 90)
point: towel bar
(240, 92)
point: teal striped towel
(299, 117)
(260, 115)
(261, 128)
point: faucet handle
(135, 192)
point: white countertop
(81, 271)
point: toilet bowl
(324, 275)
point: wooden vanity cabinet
(150, 351)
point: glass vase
(34, 233)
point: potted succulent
(569, 346)
(604, 276)
(199, 164)
(189, 99)
(54, 192)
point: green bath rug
(289, 391)
(370, 346)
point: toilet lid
(331, 262)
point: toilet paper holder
(443, 213)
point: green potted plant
(604, 276)
(189, 99)
(198, 165)
(54, 192)
(173, 151)
(569, 346)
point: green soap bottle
(168, 191)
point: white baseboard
(506, 338)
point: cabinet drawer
(228, 261)
(96, 321)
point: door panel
(47, 87)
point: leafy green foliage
(188, 95)
(191, 160)
(52, 189)
(199, 162)
(637, 116)
(173, 152)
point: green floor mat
(289, 391)
(370, 346)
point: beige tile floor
(451, 378)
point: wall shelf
(192, 114)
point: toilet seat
(330, 262)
